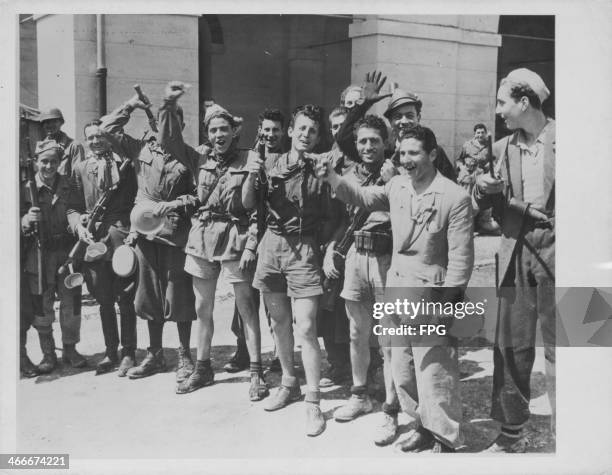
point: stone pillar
(56, 66)
(146, 49)
(449, 61)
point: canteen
(95, 251)
(124, 261)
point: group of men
(321, 236)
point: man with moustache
(523, 200)
(52, 120)
(90, 179)
(431, 221)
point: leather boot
(185, 365)
(128, 360)
(47, 345)
(72, 357)
(153, 363)
(109, 362)
(26, 367)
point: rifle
(262, 181)
(37, 229)
(152, 121)
(74, 279)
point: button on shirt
(532, 165)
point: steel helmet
(52, 113)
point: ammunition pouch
(373, 242)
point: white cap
(531, 79)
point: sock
(359, 391)
(313, 397)
(512, 431)
(156, 330)
(390, 409)
(184, 333)
(256, 367)
(202, 365)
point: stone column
(449, 61)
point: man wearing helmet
(52, 120)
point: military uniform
(73, 153)
(164, 288)
(53, 203)
(88, 186)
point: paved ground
(105, 416)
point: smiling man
(404, 113)
(288, 268)
(72, 152)
(52, 190)
(431, 222)
(90, 179)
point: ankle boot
(72, 357)
(26, 367)
(47, 345)
(185, 365)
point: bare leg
(204, 290)
(279, 306)
(306, 320)
(250, 318)
(360, 320)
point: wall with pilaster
(450, 61)
(146, 49)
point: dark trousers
(527, 294)
(108, 288)
(333, 326)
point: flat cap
(399, 98)
(524, 76)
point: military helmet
(52, 113)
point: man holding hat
(523, 201)
(164, 172)
(52, 191)
(72, 152)
(403, 113)
(91, 178)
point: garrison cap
(52, 113)
(48, 146)
(216, 110)
(399, 98)
(524, 76)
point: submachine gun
(75, 279)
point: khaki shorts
(365, 275)
(289, 265)
(205, 269)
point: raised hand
(374, 82)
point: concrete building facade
(249, 62)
